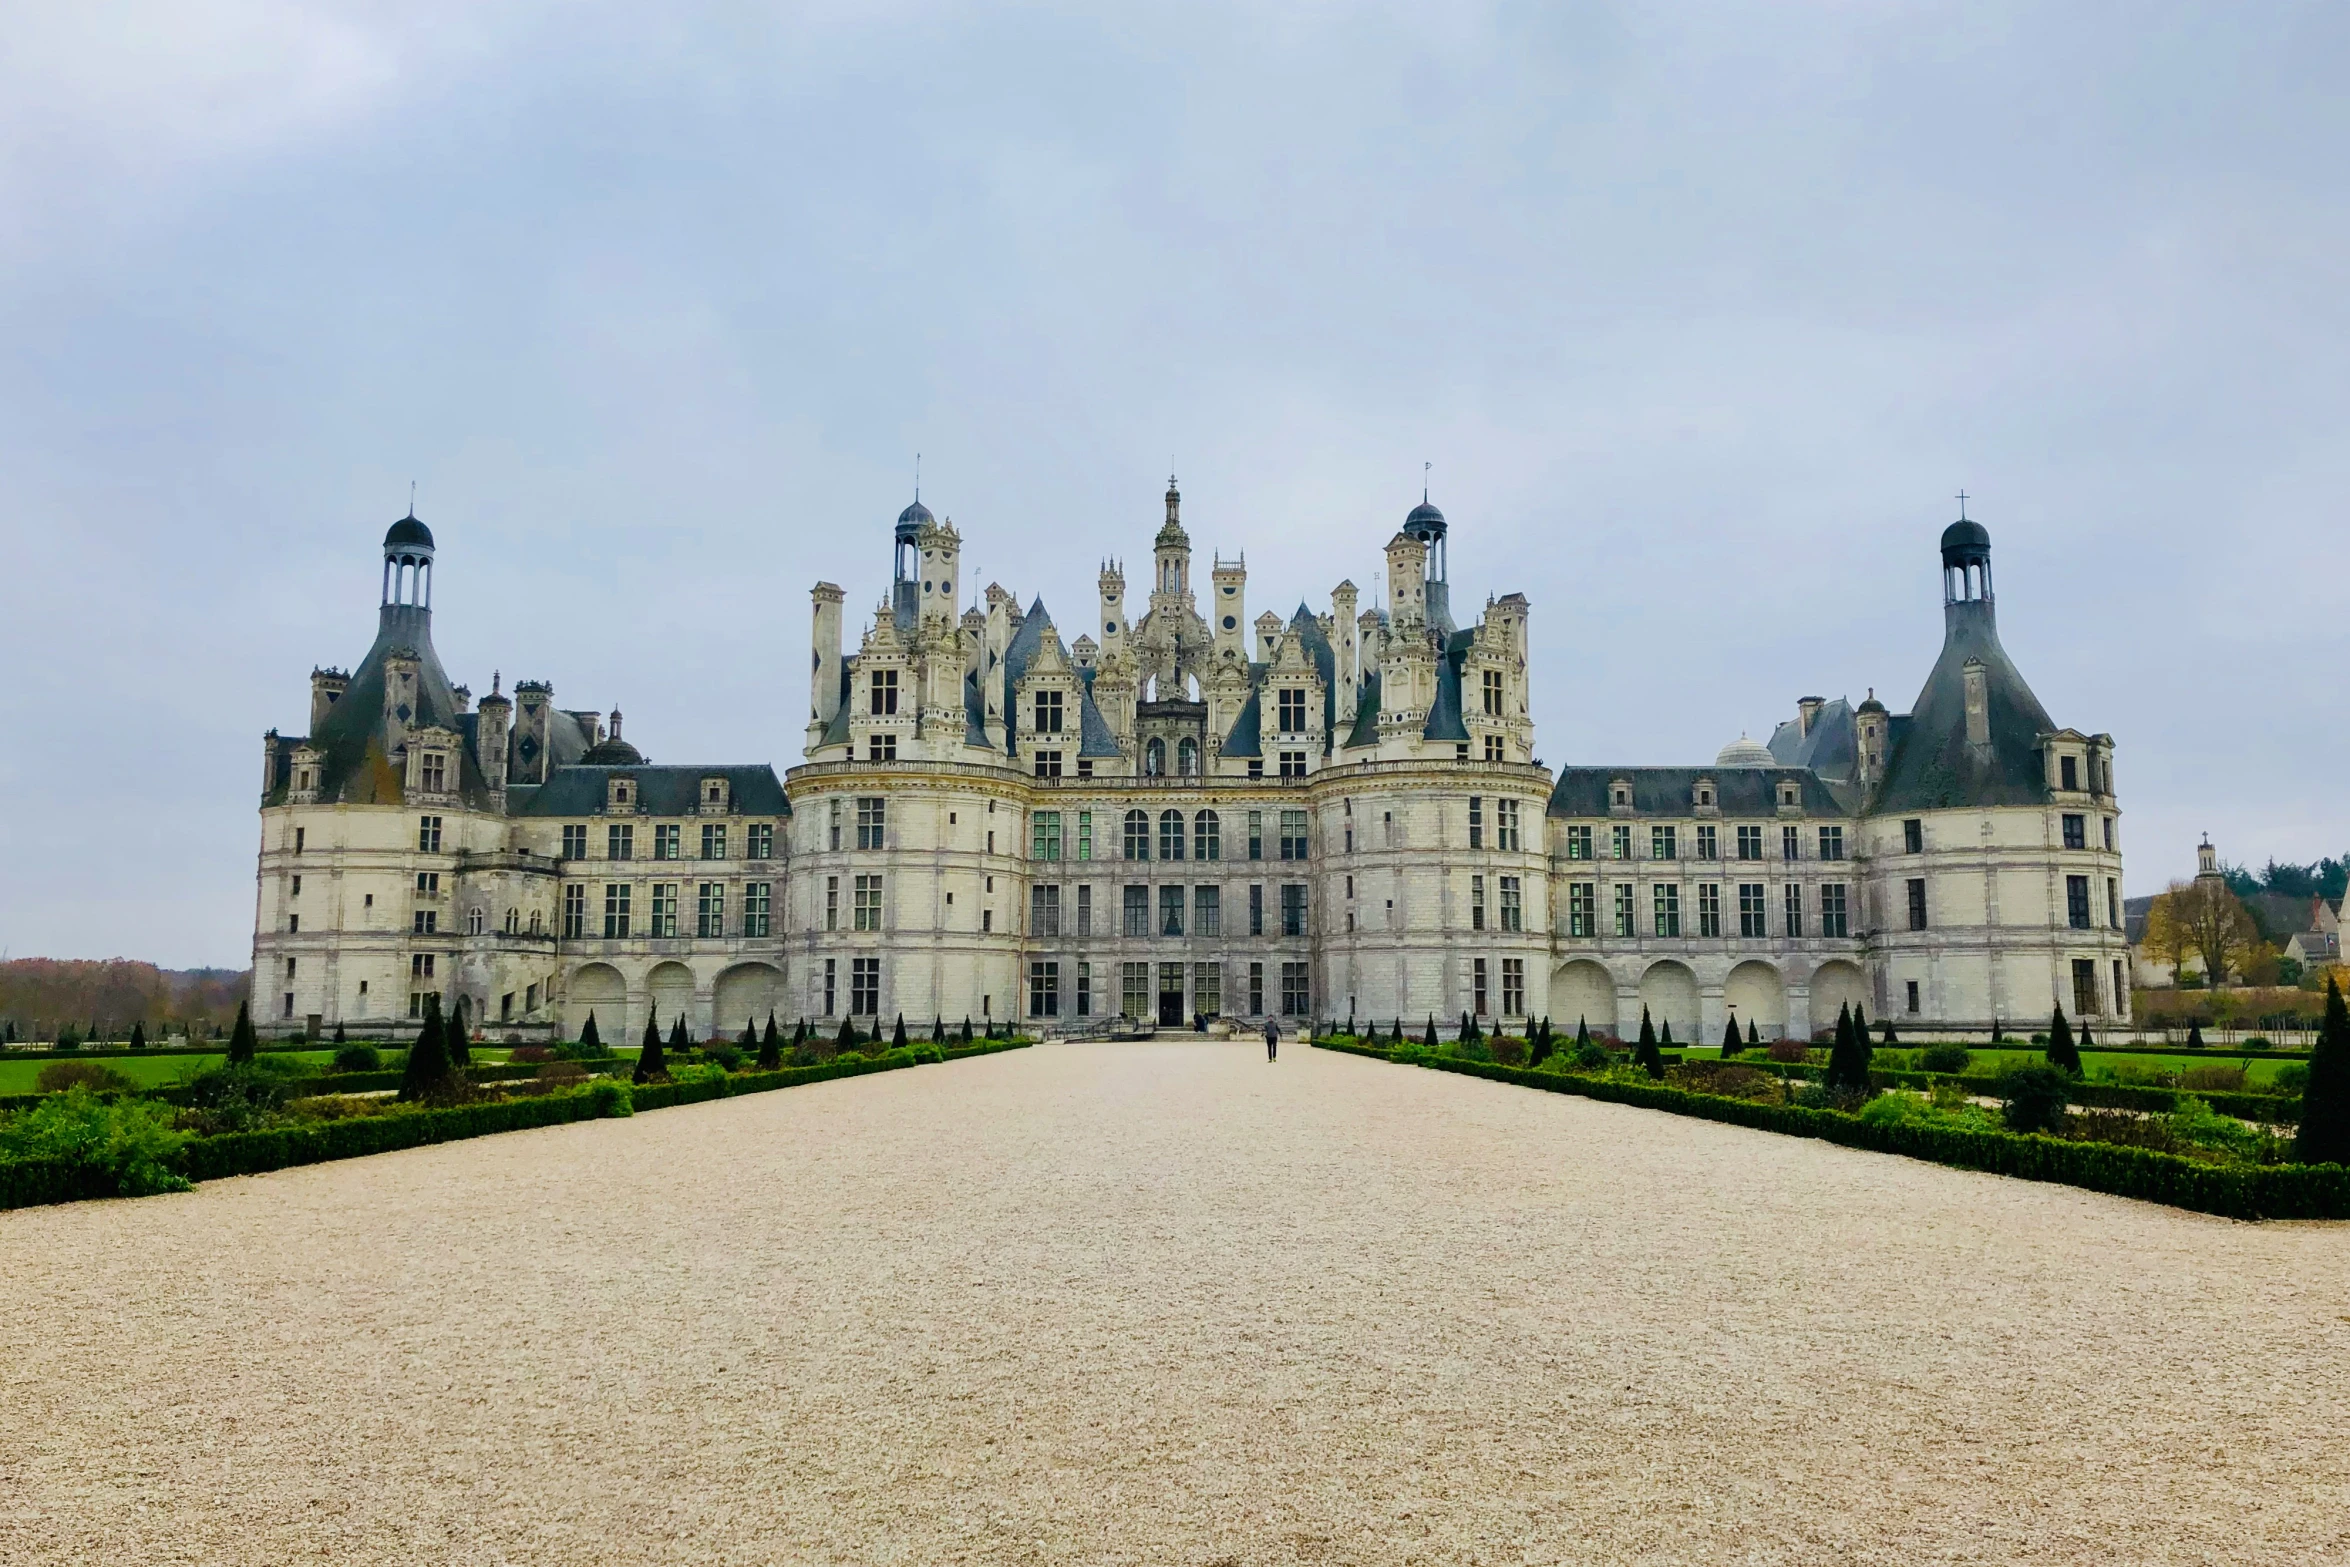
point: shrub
(1823, 1095)
(1470, 1048)
(58, 1076)
(1848, 1062)
(1646, 1054)
(590, 1041)
(129, 1144)
(530, 1053)
(241, 1040)
(771, 1045)
(2213, 1077)
(1728, 1082)
(1508, 1050)
(235, 1098)
(1789, 1050)
(2033, 1098)
(1945, 1058)
(2257, 1042)
(726, 1057)
(359, 1058)
(1592, 1056)
(2290, 1078)
(611, 1097)
(651, 1065)
(2197, 1123)
(2325, 1100)
(561, 1074)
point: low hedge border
(27, 1183)
(2269, 1109)
(2292, 1191)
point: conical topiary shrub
(1729, 1039)
(428, 1071)
(750, 1039)
(2195, 1036)
(1860, 1021)
(2062, 1053)
(460, 1057)
(897, 1038)
(1753, 1039)
(242, 1041)
(2088, 1041)
(1848, 1058)
(590, 1042)
(1646, 1053)
(1664, 1037)
(770, 1046)
(2324, 1137)
(847, 1039)
(1891, 1038)
(650, 1063)
(1469, 1031)
(139, 1038)
(139, 1034)
(1430, 1040)
(966, 1028)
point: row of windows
(668, 841)
(661, 916)
(1667, 842)
(1666, 912)
(864, 987)
(1159, 990)
(1512, 901)
(1513, 987)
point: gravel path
(1163, 1303)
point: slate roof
(1247, 737)
(1930, 766)
(1672, 791)
(1444, 714)
(1832, 749)
(355, 769)
(661, 790)
(1094, 736)
(1366, 724)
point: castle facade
(1181, 814)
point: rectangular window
(1207, 989)
(1476, 903)
(1583, 908)
(1476, 822)
(2113, 903)
(1293, 712)
(2068, 769)
(710, 910)
(1491, 682)
(832, 836)
(758, 907)
(615, 910)
(428, 883)
(1084, 908)
(759, 841)
(1256, 909)
(1913, 836)
(1832, 911)
(1293, 835)
(1579, 843)
(865, 912)
(1709, 844)
(1293, 764)
(1048, 764)
(865, 986)
(1913, 998)
(436, 773)
(1790, 843)
(872, 817)
(831, 986)
(1207, 836)
(1295, 998)
(1513, 987)
(1662, 844)
(1505, 825)
(428, 837)
(1085, 835)
(663, 913)
(1256, 990)
(1495, 749)
(1085, 990)
(1256, 835)
(2121, 991)
(665, 840)
(1171, 835)
(1620, 841)
(2076, 902)
(302, 836)
(1709, 908)
(416, 1002)
(1917, 903)
(1207, 911)
(2076, 831)
(420, 965)
(1831, 843)
(1044, 910)
(1044, 835)
(2109, 835)
(294, 924)
(1138, 835)
(885, 693)
(620, 843)
(427, 921)
(832, 903)
(1477, 985)
(574, 912)
(713, 840)
(1750, 843)
(1794, 902)
(1048, 712)
(1753, 913)
(1134, 990)
(1044, 988)
(1513, 904)
(1293, 908)
(2085, 984)
(1624, 915)
(1170, 911)
(1668, 908)
(1137, 911)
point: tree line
(39, 997)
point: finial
(1962, 506)
(412, 500)
(1424, 467)
(616, 723)
(493, 682)
(917, 478)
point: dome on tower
(913, 520)
(1743, 752)
(1424, 521)
(408, 531)
(1966, 534)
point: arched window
(1187, 757)
(537, 923)
(1170, 835)
(1138, 835)
(476, 921)
(1207, 836)
(513, 922)
(1154, 759)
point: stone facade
(1185, 814)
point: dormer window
(714, 794)
(1787, 794)
(435, 773)
(885, 693)
(1048, 712)
(2069, 772)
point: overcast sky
(1702, 314)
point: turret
(326, 689)
(401, 667)
(1113, 595)
(941, 550)
(1171, 554)
(1873, 726)
(490, 730)
(1346, 643)
(1407, 580)
(534, 702)
(824, 678)
(1230, 609)
(1268, 636)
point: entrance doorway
(1171, 995)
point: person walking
(1272, 1039)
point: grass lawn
(20, 1077)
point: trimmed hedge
(2293, 1191)
(2269, 1109)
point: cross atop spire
(1962, 506)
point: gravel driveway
(1165, 1303)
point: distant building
(1335, 814)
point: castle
(1193, 815)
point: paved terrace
(1163, 1303)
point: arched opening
(672, 988)
(1187, 757)
(1834, 986)
(747, 991)
(1669, 991)
(1583, 992)
(1207, 836)
(596, 988)
(1170, 835)
(1154, 759)
(1755, 994)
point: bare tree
(2204, 921)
